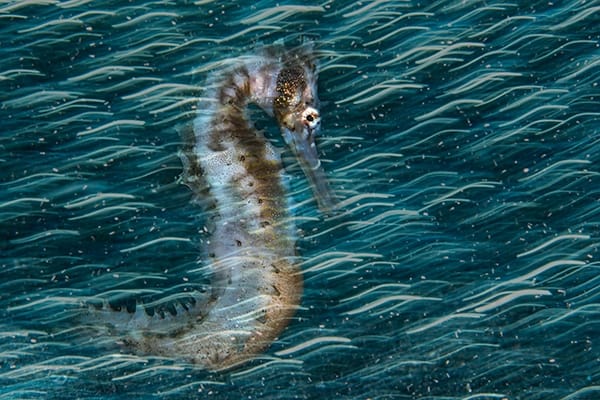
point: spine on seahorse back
(257, 284)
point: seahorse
(232, 167)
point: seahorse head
(296, 109)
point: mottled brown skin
(290, 82)
(233, 172)
(272, 198)
(233, 126)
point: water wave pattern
(460, 137)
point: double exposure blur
(460, 139)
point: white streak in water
(311, 343)
(552, 241)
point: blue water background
(461, 137)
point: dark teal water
(462, 138)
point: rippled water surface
(462, 138)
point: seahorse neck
(253, 82)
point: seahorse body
(257, 284)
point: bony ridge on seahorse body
(257, 283)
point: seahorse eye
(310, 118)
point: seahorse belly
(256, 283)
